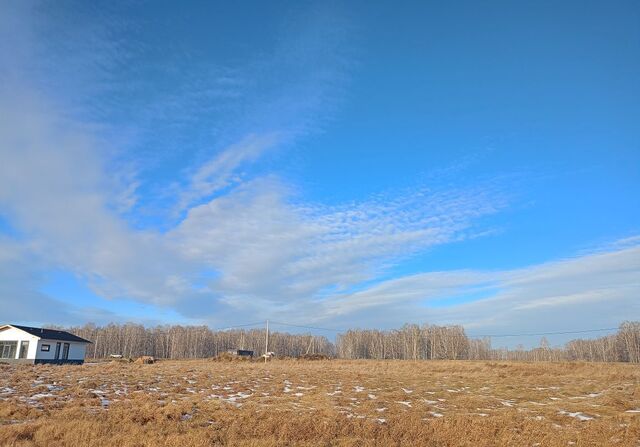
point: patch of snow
(436, 415)
(577, 415)
(240, 395)
(41, 396)
(380, 410)
(371, 396)
(637, 410)
(407, 391)
(404, 402)
(349, 415)
(358, 389)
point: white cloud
(266, 246)
(221, 171)
(589, 291)
(255, 248)
(268, 252)
(248, 245)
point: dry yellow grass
(326, 403)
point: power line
(530, 334)
(543, 333)
(307, 327)
(476, 336)
(238, 325)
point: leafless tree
(411, 342)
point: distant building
(23, 344)
(240, 352)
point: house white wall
(76, 349)
(35, 352)
(13, 334)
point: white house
(23, 344)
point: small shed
(240, 352)
(24, 344)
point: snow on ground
(371, 396)
(578, 415)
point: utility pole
(266, 343)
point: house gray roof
(51, 334)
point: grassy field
(329, 402)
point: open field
(310, 403)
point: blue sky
(328, 164)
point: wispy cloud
(269, 251)
(245, 242)
(222, 170)
(591, 290)
(265, 245)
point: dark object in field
(240, 352)
(145, 360)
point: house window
(24, 349)
(8, 349)
(45, 348)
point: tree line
(191, 342)
(411, 342)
